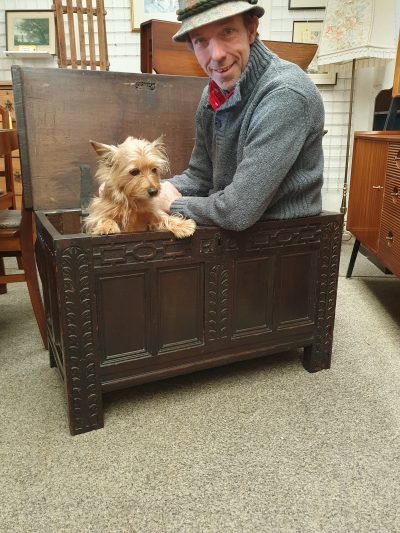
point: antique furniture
(7, 189)
(160, 54)
(136, 307)
(374, 201)
(16, 240)
(7, 102)
(374, 204)
(86, 33)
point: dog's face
(134, 167)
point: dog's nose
(152, 191)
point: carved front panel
(252, 306)
(123, 316)
(179, 307)
(296, 291)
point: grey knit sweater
(260, 154)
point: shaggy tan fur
(129, 175)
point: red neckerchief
(215, 97)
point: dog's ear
(161, 149)
(160, 146)
(103, 150)
(159, 143)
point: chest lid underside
(58, 111)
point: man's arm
(274, 142)
(196, 180)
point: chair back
(81, 34)
(8, 143)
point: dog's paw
(107, 227)
(185, 228)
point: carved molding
(326, 298)
(81, 366)
(218, 303)
(139, 252)
(283, 237)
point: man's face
(222, 48)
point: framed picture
(306, 31)
(32, 31)
(307, 4)
(142, 10)
(309, 31)
(323, 78)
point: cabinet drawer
(391, 199)
(393, 161)
(389, 242)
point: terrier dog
(129, 175)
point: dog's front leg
(179, 226)
(105, 227)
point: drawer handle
(377, 187)
(397, 159)
(389, 238)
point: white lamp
(356, 31)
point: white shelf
(27, 55)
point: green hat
(197, 13)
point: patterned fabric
(357, 29)
(210, 11)
(193, 7)
(215, 96)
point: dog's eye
(154, 170)
(134, 172)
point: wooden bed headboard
(160, 54)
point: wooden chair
(86, 29)
(7, 195)
(160, 54)
(16, 240)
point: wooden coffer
(136, 307)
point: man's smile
(221, 70)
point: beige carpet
(257, 446)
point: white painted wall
(124, 55)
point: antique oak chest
(136, 307)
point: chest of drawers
(374, 200)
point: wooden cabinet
(7, 100)
(374, 200)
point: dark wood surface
(160, 54)
(72, 107)
(136, 307)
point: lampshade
(357, 29)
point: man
(259, 125)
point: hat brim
(222, 11)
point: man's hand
(168, 194)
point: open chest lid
(58, 111)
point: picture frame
(309, 31)
(142, 10)
(307, 4)
(324, 78)
(30, 31)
